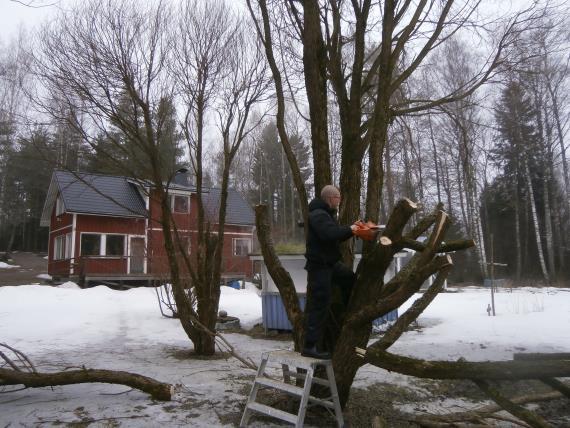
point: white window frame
(104, 247)
(59, 247)
(173, 196)
(234, 246)
(103, 244)
(68, 246)
(81, 244)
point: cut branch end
(360, 352)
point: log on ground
(158, 390)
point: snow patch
(62, 327)
(4, 265)
(68, 285)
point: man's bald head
(331, 195)
(329, 190)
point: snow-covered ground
(4, 265)
(63, 327)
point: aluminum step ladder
(290, 359)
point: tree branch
(446, 247)
(158, 390)
(278, 273)
(488, 370)
(514, 409)
(404, 320)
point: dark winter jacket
(324, 235)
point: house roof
(239, 212)
(94, 194)
(117, 196)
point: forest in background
(497, 159)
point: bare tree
(367, 52)
(14, 79)
(112, 65)
(218, 74)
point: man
(323, 265)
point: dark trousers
(320, 283)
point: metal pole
(492, 277)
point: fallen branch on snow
(25, 374)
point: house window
(68, 238)
(59, 246)
(242, 246)
(181, 204)
(90, 244)
(115, 245)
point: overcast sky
(15, 14)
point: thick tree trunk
(377, 138)
(184, 308)
(345, 362)
(209, 272)
(158, 390)
(350, 185)
(314, 61)
(375, 170)
(279, 274)
(207, 305)
(205, 343)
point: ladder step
(318, 380)
(291, 389)
(294, 359)
(294, 390)
(321, 402)
(270, 411)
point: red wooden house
(104, 228)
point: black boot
(311, 351)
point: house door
(137, 255)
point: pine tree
(117, 151)
(518, 152)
